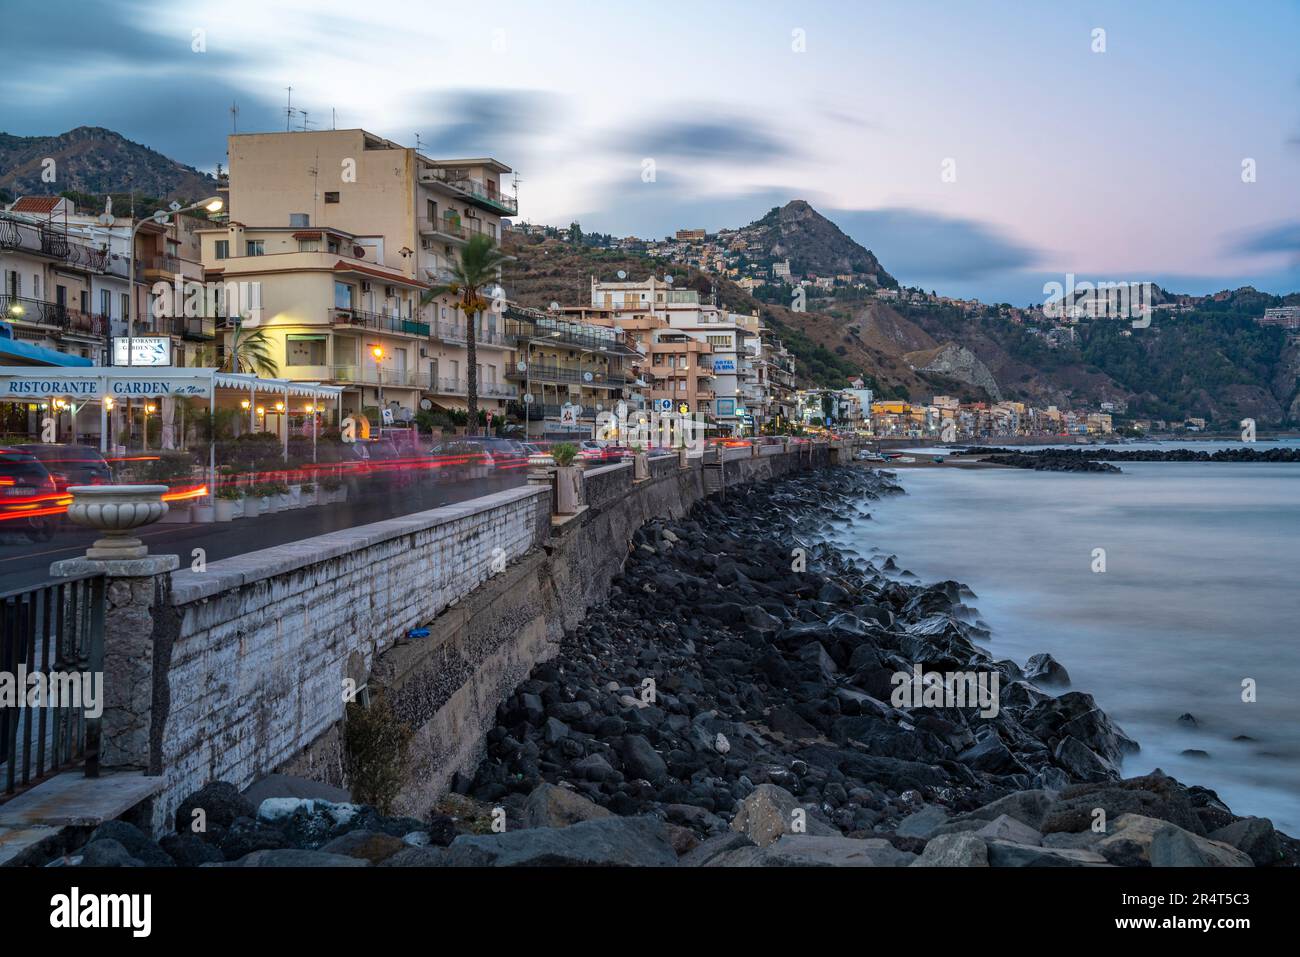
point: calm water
(1200, 591)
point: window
(342, 295)
(309, 245)
(222, 248)
(126, 305)
(304, 350)
(299, 220)
(105, 302)
(254, 247)
(331, 197)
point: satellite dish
(555, 307)
(622, 274)
(528, 398)
(668, 279)
(600, 407)
(521, 365)
(426, 405)
(587, 377)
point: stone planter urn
(228, 509)
(115, 510)
(640, 467)
(202, 513)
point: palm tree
(475, 269)
(249, 350)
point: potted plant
(282, 499)
(568, 479)
(306, 494)
(203, 511)
(335, 488)
(264, 493)
(229, 503)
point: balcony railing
(63, 318)
(486, 194)
(386, 377)
(533, 325)
(45, 239)
(379, 322)
(546, 372)
(199, 328)
(443, 227)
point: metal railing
(46, 239)
(444, 226)
(56, 630)
(473, 188)
(545, 372)
(379, 322)
(64, 318)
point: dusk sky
(1125, 164)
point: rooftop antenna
(234, 117)
(288, 110)
(334, 120)
(417, 143)
(304, 120)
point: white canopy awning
(33, 383)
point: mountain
(813, 244)
(93, 160)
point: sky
(977, 148)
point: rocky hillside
(91, 159)
(813, 244)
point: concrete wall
(254, 651)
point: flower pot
(227, 509)
(203, 514)
(295, 496)
(115, 510)
(284, 501)
(265, 504)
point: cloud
(1280, 238)
(913, 242)
(483, 122)
(629, 206)
(717, 137)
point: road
(25, 564)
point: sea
(1171, 589)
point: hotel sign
(144, 351)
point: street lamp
(378, 352)
(161, 216)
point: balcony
(194, 328)
(545, 372)
(363, 375)
(378, 322)
(531, 325)
(62, 319)
(485, 195)
(43, 239)
(450, 228)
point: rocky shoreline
(750, 695)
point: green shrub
(375, 746)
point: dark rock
(1045, 670)
(608, 842)
(221, 805)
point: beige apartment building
(371, 225)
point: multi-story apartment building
(395, 220)
(62, 281)
(724, 382)
(65, 283)
(572, 369)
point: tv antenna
(234, 117)
(288, 110)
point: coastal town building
(389, 221)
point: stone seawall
(253, 655)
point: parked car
(29, 499)
(71, 464)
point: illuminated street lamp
(378, 352)
(161, 216)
